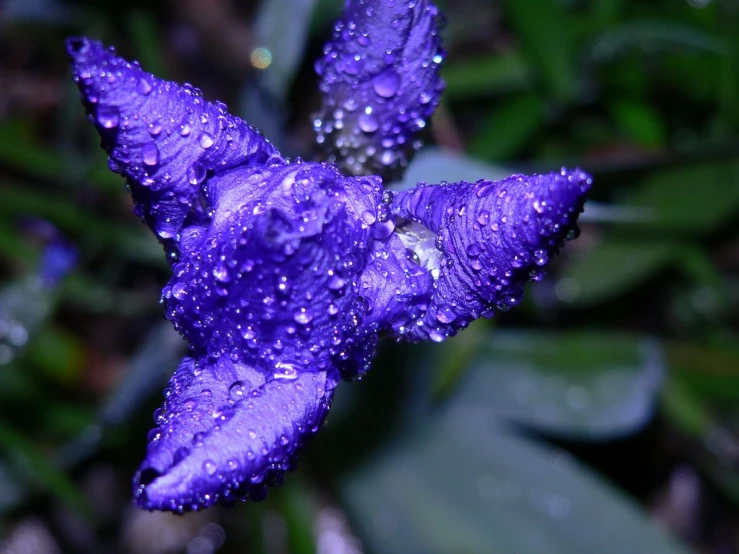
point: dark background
(601, 410)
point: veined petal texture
(224, 434)
(380, 85)
(165, 138)
(274, 278)
(483, 241)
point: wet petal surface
(380, 85)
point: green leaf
(613, 268)
(710, 374)
(577, 385)
(488, 76)
(545, 32)
(142, 28)
(652, 36)
(58, 354)
(689, 200)
(299, 511)
(639, 122)
(35, 466)
(511, 127)
(460, 483)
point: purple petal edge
(224, 435)
(380, 85)
(483, 241)
(165, 138)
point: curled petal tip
(163, 137)
(483, 241)
(225, 436)
(380, 85)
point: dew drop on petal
(386, 84)
(150, 154)
(210, 467)
(368, 123)
(143, 86)
(108, 117)
(205, 140)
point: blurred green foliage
(626, 356)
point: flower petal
(163, 137)
(483, 241)
(274, 280)
(380, 84)
(224, 434)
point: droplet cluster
(285, 273)
(485, 240)
(165, 138)
(380, 85)
(224, 434)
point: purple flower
(284, 274)
(380, 85)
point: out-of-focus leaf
(461, 483)
(574, 385)
(14, 247)
(614, 267)
(489, 76)
(652, 37)
(34, 160)
(433, 165)
(11, 490)
(126, 239)
(284, 38)
(142, 29)
(546, 34)
(156, 359)
(24, 306)
(510, 127)
(299, 511)
(58, 354)
(639, 122)
(684, 410)
(689, 200)
(709, 374)
(46, 11)
(35, 466)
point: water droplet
(179, 291)
(353, 64)
(368, 123)
(483, 218)
(210, 467)
(150, 154)
(252, 434)
(303, 316)
(237, 390)
(165, 229)
(205, 140)
(368, 217)
(541, 257)
(143, 86)
(108, 117)
(445, 314)
(220, 272)
(436, 335)
(386, 84)
(196, 173)
(336, 283)
(473, 250)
